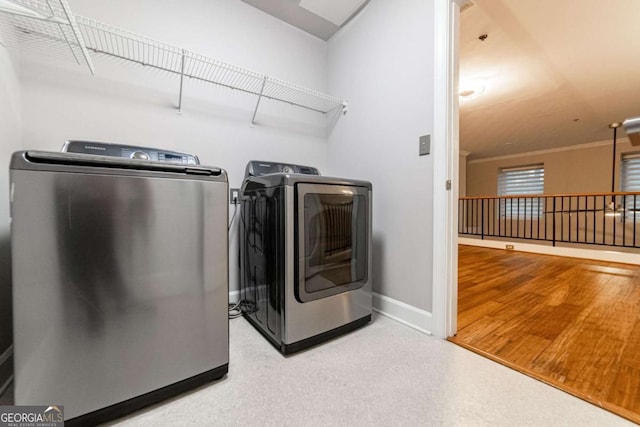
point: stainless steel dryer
(120, 277)
(305, 254)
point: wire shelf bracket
(253, 119)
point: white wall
(130, 104)
(9, 142)
(382, 62)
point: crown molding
(547, 151)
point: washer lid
(260, 168)
(87, 163)
(280, 179)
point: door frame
(445, 168)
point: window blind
(630, 181)
(631, 172)
(520, 181)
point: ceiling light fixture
(471, 92)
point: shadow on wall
(139, 92)
(378, 263)
(6, 315)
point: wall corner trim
(6, 354)
(446, 167)
(6, 367)
(408, 315)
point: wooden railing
(606, 219)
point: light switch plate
(425, 145)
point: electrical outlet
(234, 196)
(509, 247)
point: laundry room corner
(390, 89)
(224, 212)
(131, 104)
(10, 141)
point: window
(631, 182)
(521, 181)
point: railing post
(554, 220)
(482, 219)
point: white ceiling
(544, 64)
(322, 18)
(336, 11)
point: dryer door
(332, 225)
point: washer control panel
(259, 168)
(129, 152)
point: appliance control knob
(139, 155)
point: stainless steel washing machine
(120, 277)
(305, 254)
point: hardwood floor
(570, 322)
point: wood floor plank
(491, 343)
(516, 306)
(476, 313)
(482, 327)
(525, 349)
(558, 295)
(572, 323)
(630, 356)
(475, 297)
(626, 388)
(596, 372)
(554, 320)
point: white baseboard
(594, 254)
(399, 311)
(406, 314)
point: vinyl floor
(384, 374)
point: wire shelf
(48, 26)
(45, 27)
(109, 40)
